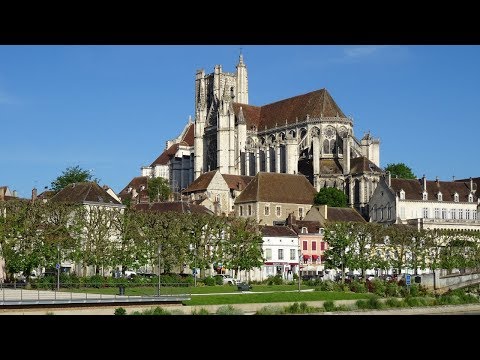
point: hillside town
(264, 165)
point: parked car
(227, 279)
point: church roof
(82, 192)
(278, 187)
(363, 165)
(316, 104)
(175, 206)
(330, 166)
(414, 189)
(166, 155)
(277, 230)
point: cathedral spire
(241, 118)
(242, 81)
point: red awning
(306, 256)
(314, 257)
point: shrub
(120, 311)
(201, 311)
(270, 310)
(228, 310)
(392, 289)
(209, 281)
(358, 287)
(379, 287)
(394, 303)
(218, 280)
(362, 304)
(275, 280)
(327, 285)
(374, 303)
(329, 305)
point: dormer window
(304, 230)
(402, 194)
(440, 196)
(470, 198)
(129, 189)
(424, 196)
(321, 231)
(455, 197)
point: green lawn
(228, 294)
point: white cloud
(360, 51)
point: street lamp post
(194, 248)
(159, 282)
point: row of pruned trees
(38, 234)
(364, 246)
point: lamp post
(194, 248)
(58, 267)
(159, 283)
(299, 262)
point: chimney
(424, 180)
(471, 185)
(34, 194)
(14, 193)
(389, 179)
(436, 179)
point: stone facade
(306, 134)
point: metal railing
(69, 293)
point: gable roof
(277, 230)
(187, 140)
(201, 183)
(337, 214)
(333, 214)
(278, 187)
(84, 192)
(175, 206)
(316, 104)
(414, 189)
(237, 182)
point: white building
(426, 204)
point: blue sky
(111, 108)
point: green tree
(72, 175)
(331, 196)
(339, 254)
(400, 170)
(158, 189)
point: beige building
(270, 197)
(217, 191)
(427, 204)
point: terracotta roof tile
(177, 206)
(336, 214)
(166, 155)
(201, 183)
(278, 187)
(414, 189)
(362, 165)
(82, 192)
(276, 230)
(316, 104)
(237, 182)
(189, 136)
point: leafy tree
(72, 175)
(158, 189)
(242, 248)
(400, 170)
(340, 239)
(331, 196)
